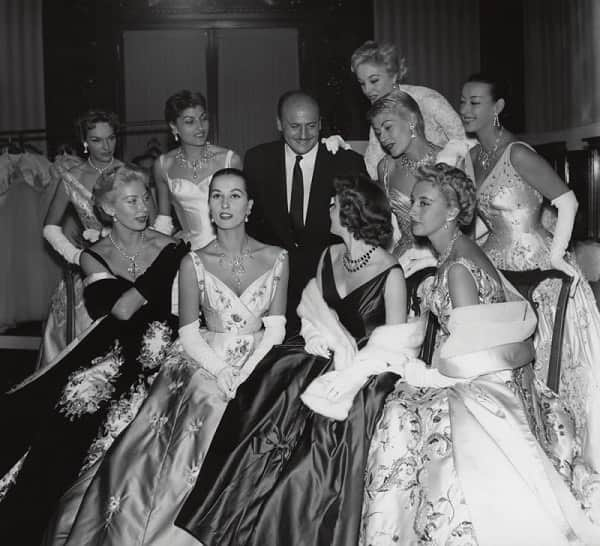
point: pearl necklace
(100, 170)
(352, 265)
(484, 157)
(413, 165)
(237, 263)
(132, 269)
(205, 156)
(446, 254)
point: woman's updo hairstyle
(457, 188)
(384, 54)
(364, 209)
(231, 171)
(109, 181)
(182, 100)
(87, 121)
(399, 103)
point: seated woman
(453, 459)
(240, 285)
(276, 473)
(61, 420)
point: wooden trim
(26, 343)
(212, 83)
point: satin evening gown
(142, 483)
(61, 420)
(459, 466)
(511, 209)
(276, 473)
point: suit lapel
(277, 197)
(317, 215)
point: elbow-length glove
(273, 335)
(567, 205)
(55, 236)
(164, 224)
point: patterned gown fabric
(55, 334)
(190, 200)
(459, 465)
(60, 421)
(276, 473)
(442, 124)
(137, 491)
(517, 241)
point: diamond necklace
(484, 157)
(445, 255)
(132, 269)
(206, 154)
(100, 170)
(352, 265)
(237, 263)
(413, 165)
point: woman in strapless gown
(182, 175)
(512, 184)
(76, 181)
(453, 460)
(240, 285)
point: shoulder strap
(198, 266)
(98, 258)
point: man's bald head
(299, 121)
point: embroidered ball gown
(140, 486)
(511, 207)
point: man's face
(300, 124)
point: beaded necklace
(352, 265)
(206, 154)
(132, 269)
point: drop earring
(496, 121)
(85, 147)
(176, 137)
(412, 126)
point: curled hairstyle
(86, 122)
(401, 104)
(384, 54)
(109, 181)
(182, 100)
(231, 171)
(456, 187)
(364, 209)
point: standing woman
(97, 130)
(512, 181)
(183, 175)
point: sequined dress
(511, 209)
(459, 465)
(137, 491)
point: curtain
(439, 40)
(562, 50)
(21, 65)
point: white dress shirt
(307, 165)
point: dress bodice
(400, 203)
(511, 209)
(225, 311)
(488, 290)
(190, 201)
(81, 198)
(363, 309)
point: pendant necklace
(206, 154)
(413, 165)
(100, 170)
(235, 264)
(133, 268)
(352, 265)
(484, 157)
(444, 255)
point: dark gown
(62, 419)
(277, 473)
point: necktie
(297, 201)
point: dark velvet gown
(62, 419)
(277, 473)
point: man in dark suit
(291, 181)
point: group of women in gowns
(227, 437)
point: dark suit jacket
(270, 221)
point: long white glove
(202, 353)
(314, 341)
(164, 224)
(417, 373)
(334, 143)
(566, 205)
(273, 335)
(55, 236)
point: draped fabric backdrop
(438, 38)
(562, 71)
(21, 65)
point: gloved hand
(567, 207)
(334, 143)
(314, 342)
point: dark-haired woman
(240, 285)
(182, 175)
(513, 181)
(97, 130)
(277, 473)
(59, 422)
(453, 460)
